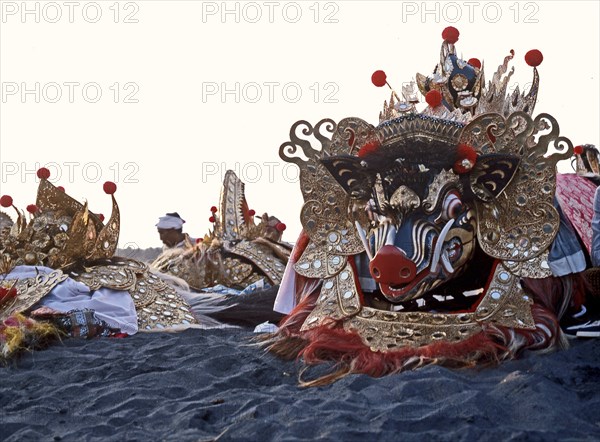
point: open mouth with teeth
(433, 291)
(395, 292)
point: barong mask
(419, 212)
(401, 220)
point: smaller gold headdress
(586, 161)
(61, 231)
(237, 251)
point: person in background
(170, 230)
(586, 323)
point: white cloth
(266, 327)
(114, 307)
(170, 222)
(286, 295)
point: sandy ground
(201, 385)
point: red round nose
(391, 266)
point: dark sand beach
(201, 385)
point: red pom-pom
(213, 209)
(534, 58)
(6, 201)
(251, 212)
(101, 217)
(578, 150)
(61, 188)
(379, 78)
(212, 219)
(199, 240)
(32, 208)
(466, 157)
(450, 34)
(43, 173)
(433, 98)
(475, 62)
(280, 227)
(369, 148)
(110, 187)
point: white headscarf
(170, 222)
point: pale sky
(190, 89)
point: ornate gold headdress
(61, 231)
(516, 218)
(456, 89)
(63, 234)
(237, 251)
(586, 161)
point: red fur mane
(331, 343)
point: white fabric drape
(114, 307)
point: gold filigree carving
(115, 277)
(317, 263)
(504, 304)
(157, 304)
(232, 197)
(338, 300)
(262, 257)
(30, 291)
(537, 267)
(405, 199)
(324, 215)
(522, 222)
(441, 182)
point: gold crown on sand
(60, 232)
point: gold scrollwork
(30, 291)
(522, 222)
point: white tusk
(363, 238)
(391, 235)
(446, 263)
(382, 229)
(438, 246)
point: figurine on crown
(59, 275)
(432, 237)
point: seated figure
(170, 230)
